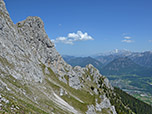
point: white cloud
(52, 40)
(127, 41)
(79, 36)
(72, 37)
(62, 40)
(127, 37)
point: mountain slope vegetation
(136, 105)
(126, 74)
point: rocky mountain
(114, 52)
(125, 66)
(34, 79)
(118, 66)
(141, 58)
(124, 73)
(82, 61)
(121, 66)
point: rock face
(35, 79)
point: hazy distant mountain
(106, 58)
(68, 57)
(125, 66)
(124, 72)
(141, 58)
(120, 63)
(114, 52)
(82, 61)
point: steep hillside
(137, 106)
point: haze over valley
(130, 71)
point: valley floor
(137, 86)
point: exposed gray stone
(105, 104)
(91, 110)
(95, 91)
(61, 92)
(26, 49)
(107, 83)
(113, 109)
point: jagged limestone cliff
(35, 79)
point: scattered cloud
(63, 40)
(127, 38)
(127, 41)
(72, 37)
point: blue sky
(87, 27)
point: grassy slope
(79, 99)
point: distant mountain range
(114, 52)
(125, 66)
(130, 71)
(83, 61)
(141, 58)
(120, 62)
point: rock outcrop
(35, 79)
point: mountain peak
(32, 28)
(4, 13)
(114, 52)
(32, 21)
(3, 9)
